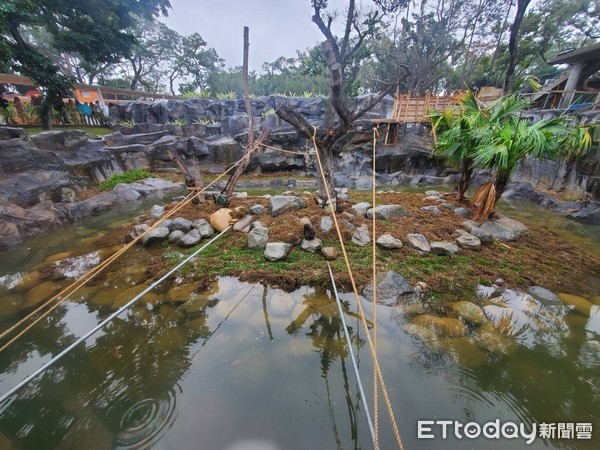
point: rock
(190, 239)
(470, 312)
(258, 237)
(155, 236)
(360, 209)
(544, 296)
(60, 140)
(175, 236)
(126, 193)
(277, 251)
(361, 236)
(166, 223)
(388, 241)
(418, 242)
(387, 212)
(348, 225)
(433, 193)
(468, 241)
(483, 235)
(221, 219)
(432, 209)
(203, 228)
(312, 246)
(504, 229)
(364, 182)
(136, 231)
(588, 213)
(330, 253)
(280, 204)
(462, 212)
(441, 326)
(157, 211)
(257, 210)
(391, 289)
(326, 224)
(243, 224)
(444, 248)
(181, 224)
(579, 304)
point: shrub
(126, 177)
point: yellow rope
(358, 302)
(81, 281)
(374, 254)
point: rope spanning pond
(363, 398)
(102, 324)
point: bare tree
(359, 27)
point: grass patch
(126, 177)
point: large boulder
(280, 204)
(418, 242)
(360, 209)
(190, 239)
(392, 288)
(203, 227)
(155, 236)
(117, 139)
(444, 248)
(504, 229)
(224, 149)
(361, 236)
(468, 241)
(312, 246)
(61, 140)
(389, 242)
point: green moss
(94, 131)
(126, 177)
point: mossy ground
(540, 258)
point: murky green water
(244, 366)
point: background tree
(97, 33)
(359, 29)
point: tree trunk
(500, 184)
(465, 178)
(45, 112)
(327, 157)
(512, 44)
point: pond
(245, 366)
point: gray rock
(330, 253)
(136, 231)
(190, 239)
(468, 241)
(504, 229)
(277, 251)
(464, 212)
(387, 212)
(126, 193)
(433, 193)
(444, 248)
(361, 236)
(257, 210)
(157, 211)
(544, 296)
(166, 223)
(280, 204)
(391, 289)
(155, 236)
(348, 225)
(258, 237)
(432, 209)
(182, 224)
(418, 242)
(175, 236)
(203, 227)
(388, 241)
(449, 206)
(360, 209)
(364, 182)
(312, 246)
(243, 224)
(483, 235)
(326, 224)
(60, 140)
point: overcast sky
(277, 27)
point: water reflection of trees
(327, 335)
(130, 374)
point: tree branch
(297, 120)
(336, 83)
(326, 30)
(349, 22)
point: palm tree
(507, 138)
(455, 131)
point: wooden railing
(413, 108)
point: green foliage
(126, 123)
(204, 121)
(230, 95)
(268, 111)
(181, 122)
(126, 177)
(194, 94)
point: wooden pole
(246, 88)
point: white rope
(109, 319)
(349, 342)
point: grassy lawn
(95, 131)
